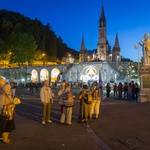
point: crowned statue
(144, 95)
(146, 49)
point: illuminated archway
(54, 74)
(89, 74)
(34, 76)
(44, 75)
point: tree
(3, 51)
(38, 55)
(23, 48)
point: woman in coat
(7, 109)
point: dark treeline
(12, 23)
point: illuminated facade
(77, 72)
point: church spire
(116, 50)
(116, 42)
(102, 18)
(103, 49)
(83, 52)
(82, 44)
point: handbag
(3, 118)
(68, 103)
(4, 113)
(68, 99)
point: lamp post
(26, 71)
(69, 55)
(137, 47)
(43, 58)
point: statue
(146, 48)
(94, 56)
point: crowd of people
(89, 102)
(128, 91)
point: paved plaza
(122, 125)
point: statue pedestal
(145, 83)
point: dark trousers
(108, 92)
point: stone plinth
(145, 83)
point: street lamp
(26, 71)
(69, 55)
(10, 53)
(43, 58)
(137, 47)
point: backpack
(88, 98)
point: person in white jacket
(47, 96)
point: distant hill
(46, 39)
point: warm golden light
(54, 74)
(44, 74)
(88, 58)
(34, 76)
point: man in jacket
(47, 100)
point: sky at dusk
(72, 19)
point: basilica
(104, 64)
(104, 52)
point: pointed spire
(102, 21)
(116, 41)
(102, 13)
(82, 44)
